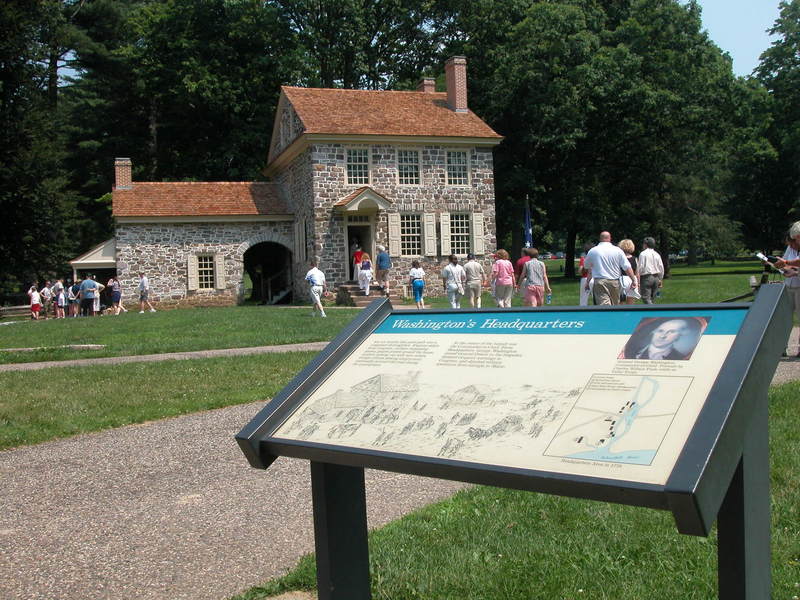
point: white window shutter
(477, 243)
(429, 233)
(193, 279)
(299, 240)
(444, 227)
(219, 271)
(393, 221)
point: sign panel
(605, 394)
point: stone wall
(297, 183)
(162, 250)
(433, 195)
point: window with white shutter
(411, 235)
(478, 234)
(219, 271)
(192, 277)
(444, 233)
(394, 233)
(429, 226)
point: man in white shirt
(651, 270)
(316, 281)
(605, 263)
(144, 293)
(791, 261)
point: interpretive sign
(642, 405)
(550, 391)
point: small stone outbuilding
(411, 171)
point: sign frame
(722, 470)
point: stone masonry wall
(433, 195)
(297, 183)
(162, 252)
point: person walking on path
(454, 277)
(317, 288)
(89, 288)
(584, 285)
(651, 270)
(791, 257)
(476, 279)
(416, 277)
(144, 293)
(365, 273)
(534, 273)
(382, 265)
(46, 294)
(36, 302)
(503, 279)
(630, 294)
(116, 295)
(606, 263)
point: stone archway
(267, 260)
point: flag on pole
(528, 236)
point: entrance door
(358, 235)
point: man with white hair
(651, 270)
(605, 263)
(382, 265)
(791, 258)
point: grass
(71, 400)
(170, 331)
(487, 543)
(686, 284)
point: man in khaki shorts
(476, 279)
(605, 264)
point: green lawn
(37, 406)
(487, 543)
(170, 331)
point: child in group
(416, 277)
(36, 302)
(365, 273)
(60, 302)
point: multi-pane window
(358, 166)
(411, 235)
(459, 234)
(457, 167)
(408, 167)
(205, 272)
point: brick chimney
(455, 72)
(122, 173)
(427, 85)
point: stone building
(411, 171)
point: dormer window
(408, 167)
(357, 166)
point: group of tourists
(610, 274)
(528, 276)
(613, 275)
(364, 272)
(82, 298)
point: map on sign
(550, 391)
(620, 418)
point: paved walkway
(165, 510)
(115, 360)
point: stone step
(350, 294)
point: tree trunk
(691, 258)
(52, 78)
(152, 147)
(569, 251)
(663, 245)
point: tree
(33, 200)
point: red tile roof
(367, 112)
(356, 193)
(181, 199)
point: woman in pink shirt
(503, 279)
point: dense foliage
(618, 114)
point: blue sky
(739, 28)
